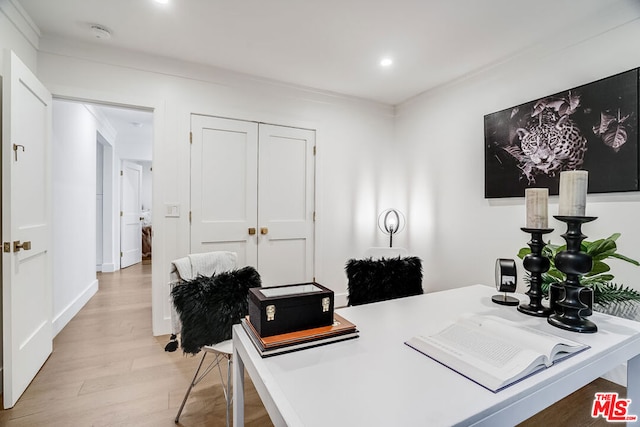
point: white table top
(377, 380)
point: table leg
(238, 389)
(633, 385)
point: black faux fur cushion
(209, 306)
(372, 280)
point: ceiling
(132, 126)
(336, 45)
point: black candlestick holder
(570, 309)
(536, 264)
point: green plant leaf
(600, 249)
(614, 236)
(545, 290)
(624, 258)
(552, 247)
(548, 252)
(524, 252)
(601, 278)
(607, 293)
(598, 267)
(556, 274)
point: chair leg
(193, 382)
(226, 387)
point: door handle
(252, 231)
(17, 246)
(264, 230)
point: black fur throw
(372, 280)
(209, 306)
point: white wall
(147, 185)
(74, 210)
(17, 34)
(99, 205)
(427, 161)
(133, 150)
(353, 139)
(457, 232)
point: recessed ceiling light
(386, 62)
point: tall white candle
(537, 200)
(573, 193)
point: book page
(478, 355)
(528, 337)
(493, 352)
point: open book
(494, 352)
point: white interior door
(286, 204)
(224, 155)
(131, 214)
(26, 227)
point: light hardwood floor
(107, 369)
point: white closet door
(224, 156)
(286, 204)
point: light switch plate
(172, 210)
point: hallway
(107, 369)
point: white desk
(376, 380)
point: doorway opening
(106, 137)
(124, 166)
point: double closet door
(253, 193)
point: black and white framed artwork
(593, 127)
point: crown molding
(21, 21)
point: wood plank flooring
(107, 369)
(575, 409)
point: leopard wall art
(550, 142)
(592, 127)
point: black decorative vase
(568, 298)
(536, 264)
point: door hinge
(7, 247)
(121, 214)
(121, 173)
(314, 216)
(189, 217)
(314, 150)
(190, 137)
(121, 254)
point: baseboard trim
(108, 268)
(61, 320)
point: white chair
(192, 266)
(220, 352)
(206, 307)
